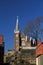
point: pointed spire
(17, 26)
(30, 38)
(33, 41)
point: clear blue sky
(9, 9)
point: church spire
(17, 26)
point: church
(22, 41)
(24, 49)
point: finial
(17, 17)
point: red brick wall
(39, 48)
(1, 39)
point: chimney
(1, 39)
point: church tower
(17, 36)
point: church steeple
(17, 26)
(17, 36)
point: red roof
(39, 48)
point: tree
(33, 28)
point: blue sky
(24, 9)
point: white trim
(16, 31)
(28, 47)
